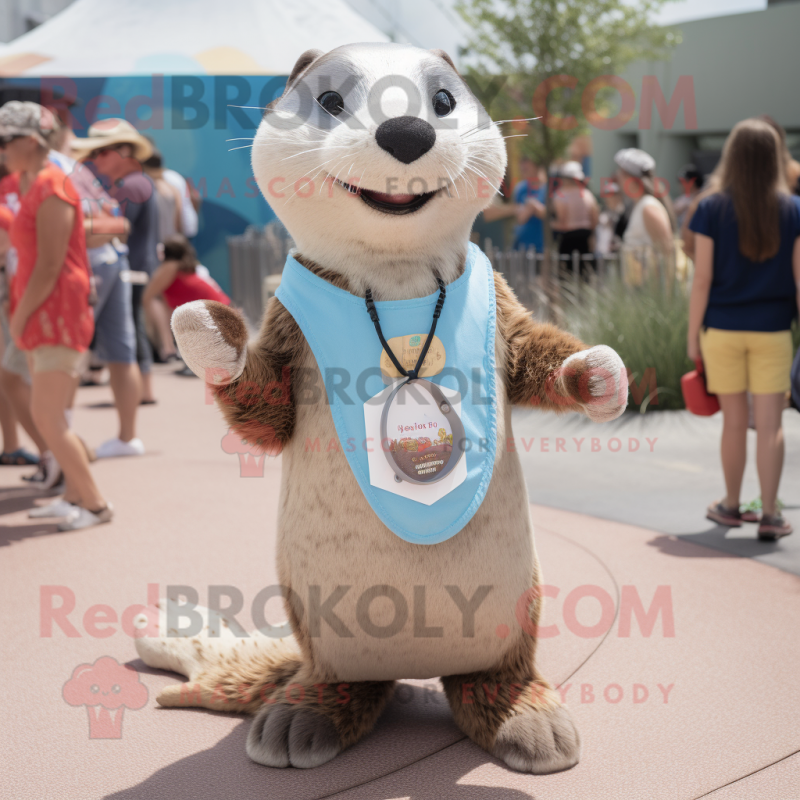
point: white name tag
(419, 439)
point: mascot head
(376, 154)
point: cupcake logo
(106, 688)
(251, 457)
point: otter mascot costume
(405, 550)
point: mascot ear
(303, 63)
(443, 55)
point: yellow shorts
(56, 358)
(746, 361)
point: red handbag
(695, 393)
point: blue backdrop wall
(190, 118)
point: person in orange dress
(51, 319)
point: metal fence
(261, 253)
(569, 275)
(254, 256)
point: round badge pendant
(424, 435)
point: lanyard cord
(373, 315)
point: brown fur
(241, 681)
(353, 708)
(333, 277)
(259, 406)
(530, 355)
(534, 352)
(482, 701)
(229, 324)
(246, 679)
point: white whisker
(491, 138)
(314, 149)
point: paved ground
(659, 470)
(709, 712)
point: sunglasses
(113, 148)
(8, 138)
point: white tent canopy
(183, 37)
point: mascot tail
(224, 672)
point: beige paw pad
(212, 340)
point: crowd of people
(95, 254)
(740, 225)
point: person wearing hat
(651, 220)
(115, 331)
(577, 214)
(51, 319)
(115, 150)
(15, 380)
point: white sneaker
(115, 448)
(52, 471)
(58, 508)
(80, 517)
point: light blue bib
(342, 337)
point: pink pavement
(710, 709)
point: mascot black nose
(406, 138)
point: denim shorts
(115, 333)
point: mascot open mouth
(388, 203)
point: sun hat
(110, 132)
(634, 161)
(572, 169)
(26, 118)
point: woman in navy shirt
(744, 298)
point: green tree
(531, 57)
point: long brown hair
(751, 171)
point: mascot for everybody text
(391, 336)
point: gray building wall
(20, 16)
(742, 66)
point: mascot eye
(116, 688)
(94, 689)
(443, 103)
(332, 102)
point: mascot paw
(212, 340)
(539, 740)
(284, 736)
(597, 379)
